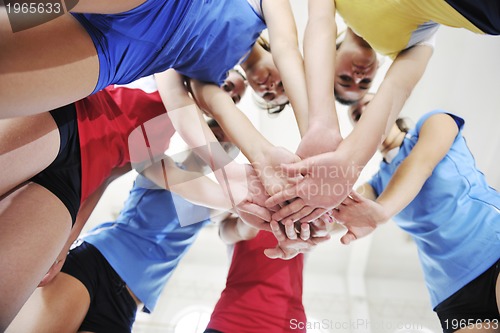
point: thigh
(27, 146)
(34, 226)
(45, 67)
(60, 306)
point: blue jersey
(454, 219)
(146, 242)
(201, 39)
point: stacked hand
(360, 216)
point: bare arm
(361, 216)
(403, 75)
(186, 116)
(319, 57)
(192, 186)
(435, 140)
(286, 55)
(233, 230)
(264, 157)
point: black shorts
(484, 14)
(112, 308)
(475, 303)
(63, 177)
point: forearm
(287, 57)
(188, 120)
(383, 110)
(290, 64)
(192, 186)
(233, 230)
(319, 57)
(403, 187)
(234, 123)
(400, 80)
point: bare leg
(45, 67)
(498, 292)
(27, 146)
(60, 306)
(34, 225)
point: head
(263, 76)
(355, 67)
(221, 136)
(235, 85)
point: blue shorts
(134, 37)
(63, 177)
(112, 308)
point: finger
(357, 197)
(295, 180)
(305, 231)
(275, 253)
(300, 214)
(52, 272)
(319, 240)
(290, 230)
(313, 215)
(281, 197)
(276, 230)
(298, 168)
(336, 215)
(256, 210)
(348, 201)
(348, 238)
(288, 210)
(324, 218)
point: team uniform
(261, 294)
(106, 130)
(455, 222)
(391, 26)
(139, 250)
(200, 39)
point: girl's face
(355, 69)
(235, 85)
(265, 80)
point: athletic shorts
(475, 304)
(112, 308)
(484, 14)
(63, 177)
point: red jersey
(261, 294)
(116, 126)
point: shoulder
(436, 116)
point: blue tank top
(146, 242)
(454, 219)
(201, 39)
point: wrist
(385, 213)
(245, 231)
